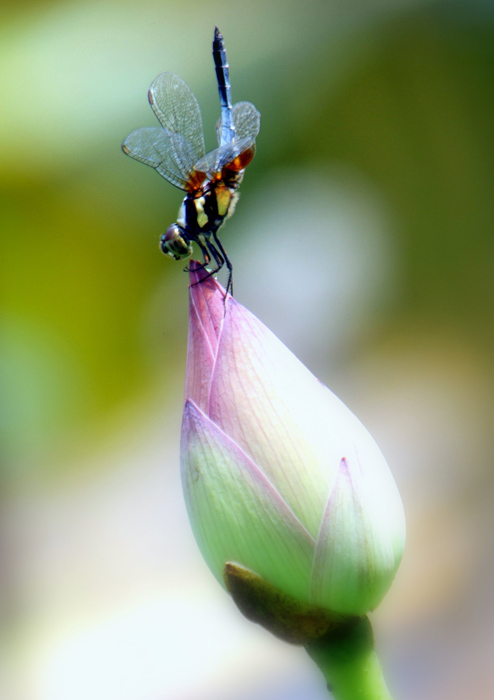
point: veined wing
(246, 119)
(236, 155)
(232, 156)
(177, 110)
(153, 145)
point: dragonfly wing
(154, 146)
(177, 110)
(208, 164)
(236, 156)
(247, 122)
(213, 162)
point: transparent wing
(247, 122)
(154, 146)
(178, 112)
(214, 161)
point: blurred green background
(363, 238)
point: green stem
(350, 664)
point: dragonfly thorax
(198, 218)
(201, 215)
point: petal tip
(199, 276)
(192, 410)
(207, 303)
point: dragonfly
(176, 151)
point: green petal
(236, 513)
(354, 562)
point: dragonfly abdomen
(223, 78)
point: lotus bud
(281, 480)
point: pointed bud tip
(201, 281)
(208, 305)
(198, 274)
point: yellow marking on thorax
(223, 199)
(202, 218)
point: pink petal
(207, 298)
(264, 398)
(205, 321)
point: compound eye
(174, 244)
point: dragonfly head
(174, 243)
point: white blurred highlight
(320, 256)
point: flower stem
(349, 663)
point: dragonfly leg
(205, 255)
(226, 261)
(218, 259)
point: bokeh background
(363, 238)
